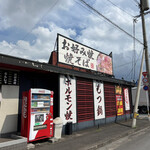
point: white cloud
(40, 48)
(27, 13)
(67, 17)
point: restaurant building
(86, 93)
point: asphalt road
(96, 137)
(136, 141)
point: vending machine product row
(37, 114)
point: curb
(18, 143)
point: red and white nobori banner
(126, 99)
(99, 106)
(67, 99)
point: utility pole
(138, 92)
(144, 6)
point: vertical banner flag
(98, 89)
(67, 99)
(119, 105)
(126, 99)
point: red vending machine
(37, 114)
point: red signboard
(144, 74)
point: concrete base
(53, 140)
(96, 123)
(30, 146)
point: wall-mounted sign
(126, 99)
(67, 99)
(119, 105)
(79, 55)
(9, 77)
(118, 90)
(99, 106)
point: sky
(28, 29)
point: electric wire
(83, 6)
(117, 26)
(96, 14)
(134, 64)
(133, 68)
(123, 65)
(93, 13)
(120, 8)
(137, 3)
(43, 16)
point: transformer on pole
(145, 5)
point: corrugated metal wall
(85, 103)
(110, 100)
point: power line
(84, 7)
(120, 8)
(136, 2)
(100, 14)
(81, 4)
(134, 64)
(123, 65)
(46, 12)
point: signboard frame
(87, 47)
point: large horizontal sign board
(79, 55)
